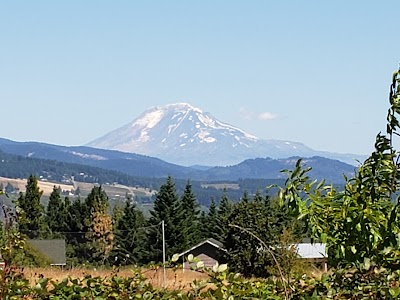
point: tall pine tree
(76, 214)
(99, 225)
(211, 227)
(56, 214)
(165, 209)
(188, 213)
(224, 211)
(31, 211)
(130, 237)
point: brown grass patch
(176, 279)
(45, 186)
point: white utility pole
(163, 245)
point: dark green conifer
(31, 211)
(55, 215)
(130, 237)
(188, 214)
(211, 225)
(165, 209)
(224, 211)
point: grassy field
(178, 279)
(46, 187)
(114, 191)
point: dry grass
(117, 190)
(46, 187)
(178, 279)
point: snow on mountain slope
(185, 135)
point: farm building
(316, 253)
(54, 250)
(208, 251)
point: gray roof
(215, 243)
(53, 249)
(308, 250)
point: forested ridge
(15, 166)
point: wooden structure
(208, 251)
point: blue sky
(316, 72)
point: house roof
(213, 242)
(53, 249)
(308, 250)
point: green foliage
(223, 212)
(211, 227)
(31, 213)
(166, 208)
(99, 235)
(360, 222)
(130, 237)
(76, 213)
(57, 213)
(188, 216)
(258, 243)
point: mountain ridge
(144, 166)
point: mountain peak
(180, 106)
(183, 134)
(177, 133)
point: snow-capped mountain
(185, 135)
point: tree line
(96, 234)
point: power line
(44, 231)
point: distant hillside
(16, 166)
(322, 168)
(132, 164)
(140, 166)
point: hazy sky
(316, 72)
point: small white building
(313, 252)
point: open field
(45, 186)
(114, 191)
(178, 279)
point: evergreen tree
(224, 211)
(56, 217)
(76, 214)
(262, 233)
(245, 253)
(211, 227)
(258, 197)
(130, 237)
(188, 214)
(99, 225)
(245, 197)
(165, 209)
(31, 220)
(117, 214)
